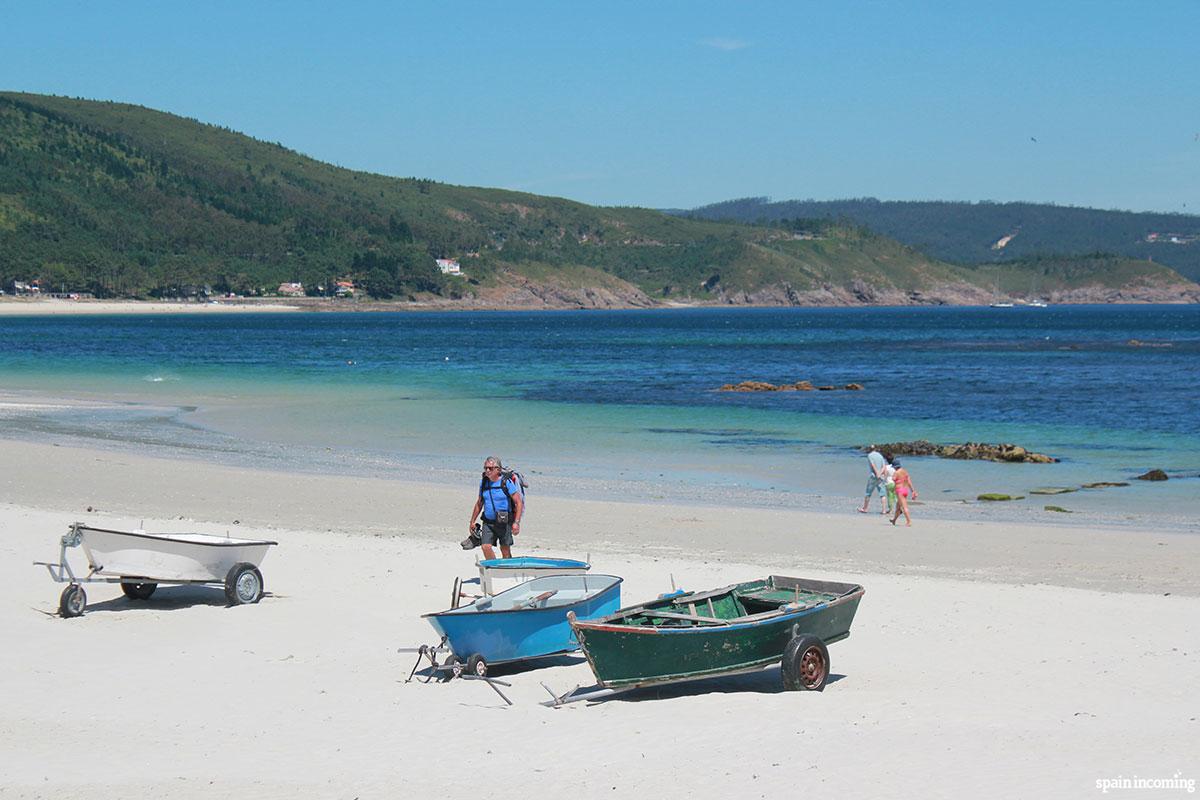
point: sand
(985, 661)
(49, 306)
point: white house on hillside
(449, 266)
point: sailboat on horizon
(996, 302)
(1036, 302)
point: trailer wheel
(243, 584)
(476, 666)
(138, 591)
(72, 602)
(451, 674)
(805, 664)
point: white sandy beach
(985, 661)
(21, 307)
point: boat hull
(168, 557)
(625, 655)
(501, 634)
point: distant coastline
(193, 210)
(15, 307)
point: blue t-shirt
(494, 498)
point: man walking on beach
(502, 505)
(876, 462)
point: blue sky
(666, 103)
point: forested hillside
(968, 233)
(124, 201)
(121, 200)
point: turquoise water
(628, 397)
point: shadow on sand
(165, 598)
(767, 681)
(510, 669)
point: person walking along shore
(875, 463)
(502, 504)
(904, 491)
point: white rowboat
(169, 557)
(139, 561)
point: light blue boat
(534, 562)
(525, 622)
(497, 574)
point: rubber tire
(805, 664)
(456, 594)
(138, 591)
(72, 601)
(476, 666)
(449, 675)
(241, 577)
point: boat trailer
(451, 668)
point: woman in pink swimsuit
(904, 489)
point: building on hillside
(344, 288)
(291, 289)
(449, 266)
(30, 287)
(1173, 238)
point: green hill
(121, 200)
(968, 233)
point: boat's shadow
(166, 598)
(508, 670)
(767, 681)
(521, 667)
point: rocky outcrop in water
(974, 451)
(798, 386)
(1153, 475)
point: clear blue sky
(668, 103)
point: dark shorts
(495, 533)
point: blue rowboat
(525, 622)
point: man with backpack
(502, 502)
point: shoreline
(133, 486)
(823, 477)
(17, 307)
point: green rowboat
(739, 628)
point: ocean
(623, 404)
